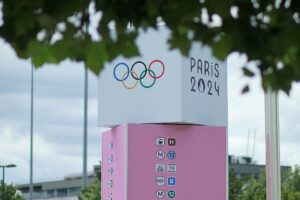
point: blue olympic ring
(117, 67)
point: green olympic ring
(142, 74)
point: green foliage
(236, 185)
(255, 189)
(10, 192)
(51, 31)
(93, 192)
(250, 188)
(291, 185)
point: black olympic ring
(131, 69)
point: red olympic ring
(163, 69)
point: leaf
(41, 53)
(125, 45)
(245, 89)
(266, 42)
(47, 22)
(248, 72)
(24, 23)
(182, 44)
(222, 47)
(96, 57)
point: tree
(255, 189)
(267, 32)
(291, 185)
(11, 193)
(92, 192)
(236, 185)
(250, 188)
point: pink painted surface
(117, 137)
(200, 162)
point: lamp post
(3, 176)
(272, 145)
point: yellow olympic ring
(123, 81)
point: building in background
(245, 166)
(66, 189)
(69, 188)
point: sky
(58, 118)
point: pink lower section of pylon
(117, 136)
(200, 160)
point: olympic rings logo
(138, 77)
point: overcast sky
(58, 118)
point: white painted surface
(175, 97)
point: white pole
(85, 122)
(272, 146)
(253, 147)
(247, 150)
(31, 136)
(84, 175)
